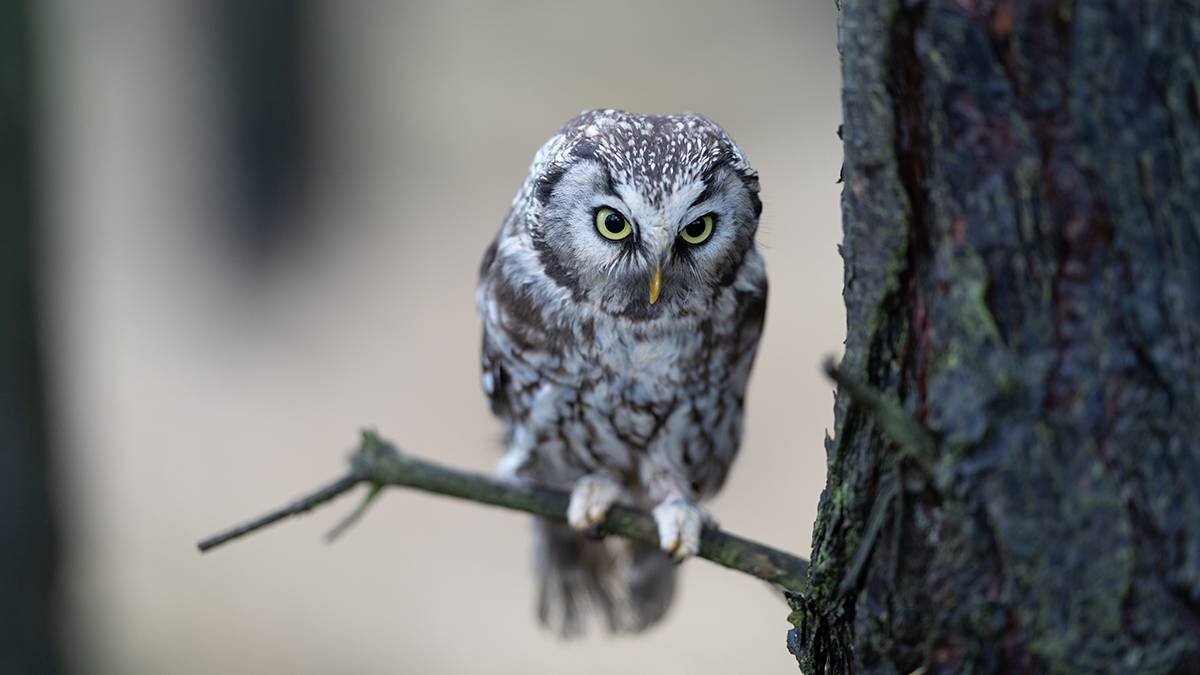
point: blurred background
(254, 227)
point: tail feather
(628, 584)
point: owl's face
(643, 216)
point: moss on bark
(1022, 272)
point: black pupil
(695, 229)
(614, 223)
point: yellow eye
(698, 231)
(612, 225)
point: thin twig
(340, 529)
(893, 420)
(305, 503)
(888, 492)
(378, 462)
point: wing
(708, 471)
(494, 378)
(751, 316)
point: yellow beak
(656, 283)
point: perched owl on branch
(622, 301)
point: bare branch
(893, 420)
(340, 529)
(305, 503)
(379, 463)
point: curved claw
(679, 525)
(591, 498)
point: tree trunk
(1022, 246)
(28, 547)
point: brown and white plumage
(619, 366)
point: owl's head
(642, 215)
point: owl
(622, 303)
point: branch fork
(378, 464)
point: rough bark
(1021, 218)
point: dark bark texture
(1021, 218)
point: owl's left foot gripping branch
(377, 463)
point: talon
(591, 499)
(679, 524)
(673, 548)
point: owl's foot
(591, 498)
(679, 524)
